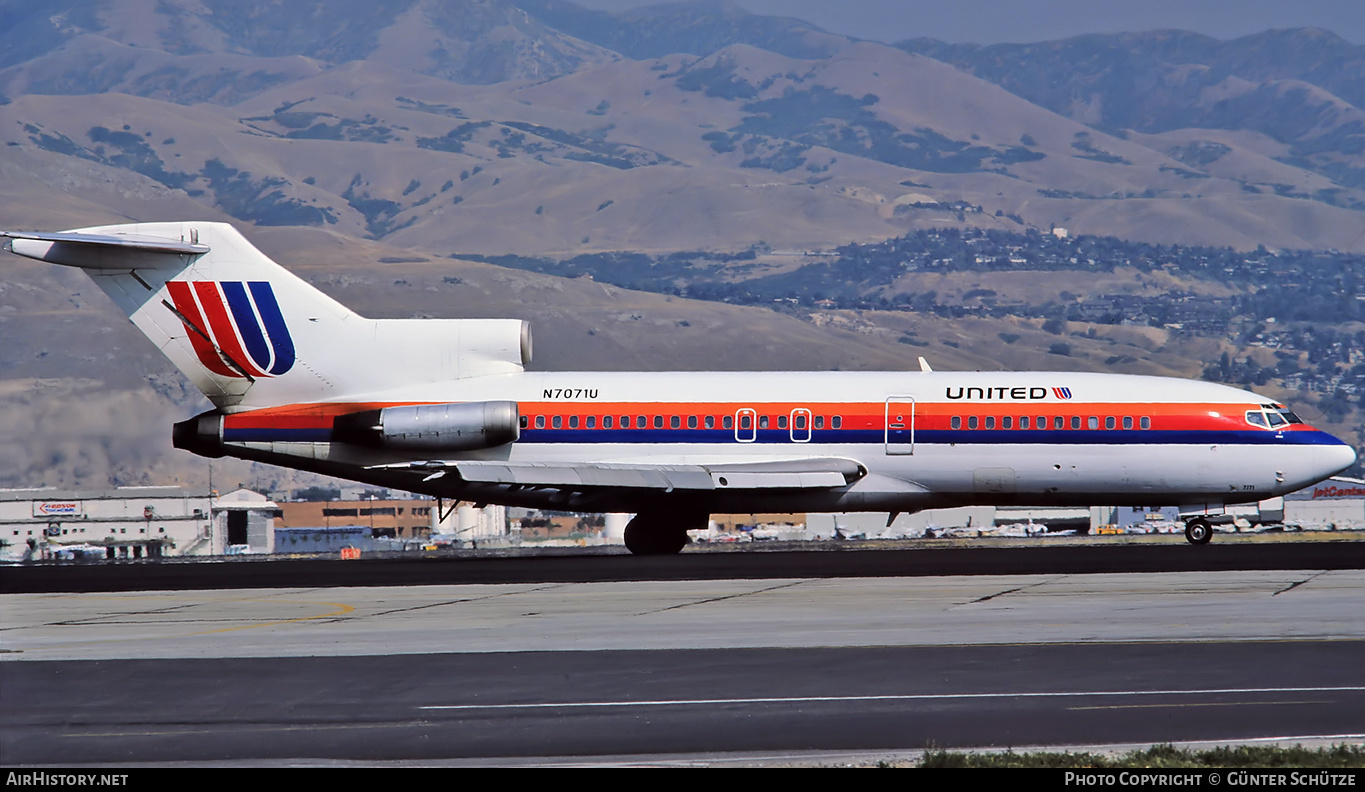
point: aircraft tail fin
(249, 333)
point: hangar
(1336, 504)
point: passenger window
(819, 422)
(1127, 422)
(590, 422)
(573, 421)
(1042, 422)
(837, 422)
(606, 422)
(1146, 422)
(745, 421)
(540, 422)
(781, 422)
(1007, 422)
(990, 421)
(1109, 422)
(524, 421)
(1094, 422)
(674, 422)
(957, 422)
(800, 421)
(971, 422)
(710, 422)
(1075, 422)
(658, 422)
(642, 422)
(762, 422)
(557, 422)
(1058, 422)
(1023, 422)
(691, 422)
(728, 422)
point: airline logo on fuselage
(1012, 393)
(238, 321)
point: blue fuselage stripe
(1058, 437)
(933, 437)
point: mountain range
(541, 127)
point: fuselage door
(746, 425)
(800, 425)
(900, 425)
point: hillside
(377, 147)
(479, 126)
(1301, 92)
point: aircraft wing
(812, 473)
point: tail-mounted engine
(431, 427)
(424, 428)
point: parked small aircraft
(445, 407)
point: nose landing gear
(1198, 531)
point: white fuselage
(925, 439)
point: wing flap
(776, 480)
(782, 474)
(595, 475)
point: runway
(767, 561)
(680, 671)
(636, 706)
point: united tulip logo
(236, 328)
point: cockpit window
(1272, 416)
(1284, 412)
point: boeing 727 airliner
(444, 407)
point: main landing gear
(1198, 531)
(659, 533)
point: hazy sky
(991, 21)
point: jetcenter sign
(1333, 491)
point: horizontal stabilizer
(95, 251)
(784, 474)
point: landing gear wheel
(653, 534)
(1198, 531)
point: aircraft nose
(1331, 460)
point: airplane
(445, 407)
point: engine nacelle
(202, 435)
(464, 426)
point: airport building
(394, 519)
(411, 520)
(243, 522)
(151, 522)
(1335, 504)
(132, 522)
